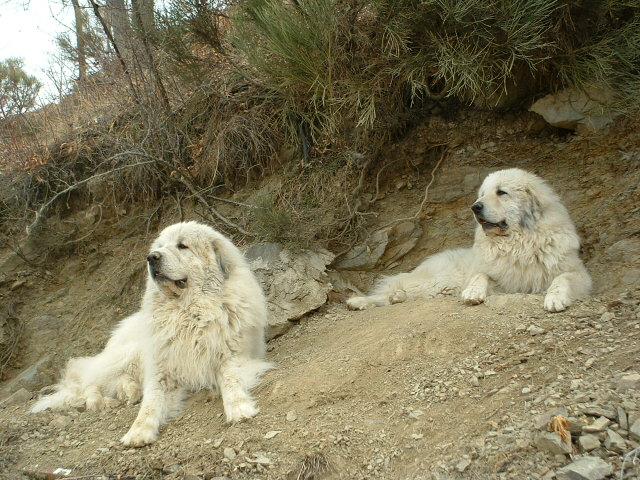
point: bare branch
(44, 207)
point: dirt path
(397, 392)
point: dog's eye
(182, 246)
(501, 192)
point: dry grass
(312, 467)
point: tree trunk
(145, 8)
(80, 42)
(117, 17)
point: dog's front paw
(556, 302)
(358, 303)
(95, 402)
(240, 410)
(398, 296)
(474, 295)
(139, 436)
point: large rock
(634, 431)
(574, 109)
(28, 378)
(294, 283)
(585, 468)
(629, 382)
(626, 250)
(552, 442)
(382, 248)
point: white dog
(525, 242)
(201, 325)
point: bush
(351, 71)
(18, 89)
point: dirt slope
(430, 389)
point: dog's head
(188, 256)
(511, 200)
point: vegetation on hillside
(18, 89)
(210, 96)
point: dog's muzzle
(482, 220)
(154, 260)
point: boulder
(553, 443)
(585, 468)
(382, 248)
(294, 283)
(19, 397)
(629, 382)
(29, 378)
(576, 109)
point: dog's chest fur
(525, 264)
(191, 342)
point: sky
(28, 29)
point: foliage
(96, 50)
(353, 70)
(223, 92)
(272, 223)
(18, 89)
(599, 45)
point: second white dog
(525, 242)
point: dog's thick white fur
(525, 242)
(201, 325)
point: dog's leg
(476, 290)
(565, 288)
(362, 303)
(93, 398)
(159, 402)
(237, 402)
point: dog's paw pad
(473, 296)
(357, 303)
(139, 437)
(241, 411)
(398, 296)
(554, 302)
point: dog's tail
(81, 385)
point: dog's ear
(223, 263)
(532, 210)
(223, 257)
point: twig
(14, 328)
(634, 457)
(375, 197)
(182, 178)
(424, 200)
(102, 476)
(233, 202)
(426, 194)
(44, 207)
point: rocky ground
(424, 390)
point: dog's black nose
(477, 207)
(153, 258)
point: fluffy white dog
(201, 325)
(525, 242)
